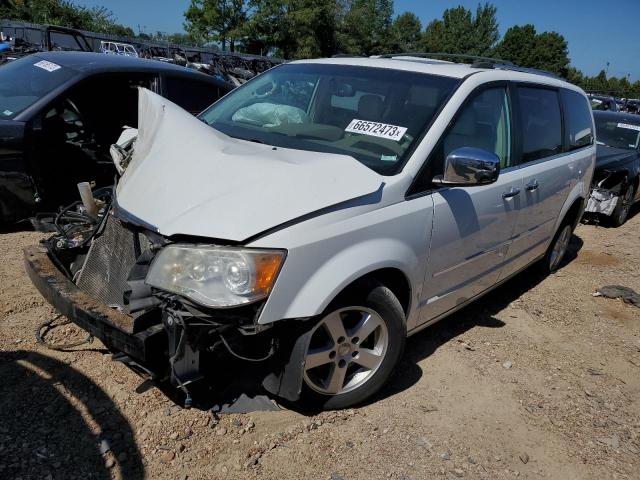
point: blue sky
(598, 32)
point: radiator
(111, 256)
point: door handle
(511, 193)
(532, 186)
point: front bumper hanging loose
(113, 328)
(602, 201)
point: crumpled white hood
(187, 178)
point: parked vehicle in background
(617, 175)
(232, 67)
(116, 48)
(320, 213)
(45, 38)
(61, 111)
(602, 102)
(633, 106)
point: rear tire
(558, 248)
(621, 212)
(354, 349)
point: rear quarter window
(578, 123)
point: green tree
(523, 46)
(216, 20)
(459, 31)
(551, 53)
(485, 29)
(64, 13)
(518, 45)
(433, 37)
(406, 33)
(292, 28)
(366, 27)
(264, 31)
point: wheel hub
(346, 348)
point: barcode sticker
(376, 129)
(48, 66)
(629, 126)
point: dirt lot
(538, 380)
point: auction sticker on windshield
(629, 126)
(48, 66)
(375, 129)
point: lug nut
(355, 340)
(332, 355)
(342, 364)
(341, 339)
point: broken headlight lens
(216, 276)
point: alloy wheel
(346, 349)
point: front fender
(329, 258)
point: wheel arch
(574, 212)
(392, 278)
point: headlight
(216, 276)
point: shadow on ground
(42, 432)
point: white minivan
(309, 221)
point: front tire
(621, 212)
(354, 349)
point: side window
(192, 95)
(540, 123)
(483, 123)
(577, 116)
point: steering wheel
(76, 124)
(265, 90)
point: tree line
(293, 29)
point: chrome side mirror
(469, 166)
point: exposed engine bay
(108, 259)
(606, 191)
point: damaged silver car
(316, 216)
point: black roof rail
(536, 71)
(347, 55)
(477, 60)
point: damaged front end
(606, 192)
(95, 272)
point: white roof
(438, 67)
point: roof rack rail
(478, 61)
(515, 68)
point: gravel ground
(539, 379)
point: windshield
(24, 81)
(618, 133)
(374, 115)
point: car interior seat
(370, 107)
